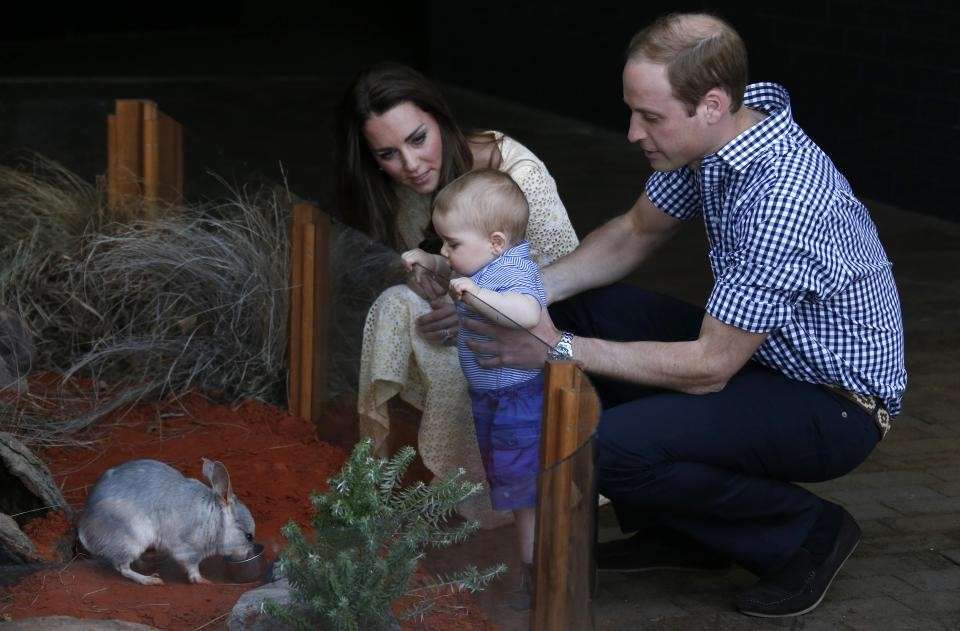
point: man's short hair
(701, 52)
(489, 200)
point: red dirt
(275, 461)
(48, 533)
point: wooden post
(307, 327)
(125, 155)
(112, 166)
(295, 347)
(309, 295)
(144, 157)
(563, 556)
(170, 160)
(151, 155)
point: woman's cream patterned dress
(395, 360)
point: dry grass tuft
(45, 211)
(197, 299)
(145, 309)
(191, 301)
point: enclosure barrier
(144, 157)
(145, 160)
(564, 556)
(309, 291)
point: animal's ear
(207, 469)
(219, 479)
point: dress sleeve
(549, 230)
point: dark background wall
(877, 84)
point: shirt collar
(774, 101)
(520, 250)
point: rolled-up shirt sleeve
(776, 264)
(675, 193)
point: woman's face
(406, 143)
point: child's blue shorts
(507, 421)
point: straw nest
(145, 309)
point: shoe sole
(758, 614)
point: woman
(398, 145)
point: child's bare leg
(526, 521)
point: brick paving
(906, 496)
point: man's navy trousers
(718, 467)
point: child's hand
(462, 285)
(415, 257)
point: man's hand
(699, 366)
(517, 348)
(441, 324)
(462, 285)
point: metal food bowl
(247, 569)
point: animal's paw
(143, 579)
(153, 579)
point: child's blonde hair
(489, 200)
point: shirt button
(843, 414)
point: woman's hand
(421, 277)
(440, 326)
(425, 285)
(416, 258)
(517, 348)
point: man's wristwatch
(564, 349)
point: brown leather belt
(871, 405)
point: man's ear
(714, 104)
(498, 242)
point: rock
(66, 623)
(15, 546)
(247, 614)
(16, 350)
(25, 482)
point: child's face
(466, 248)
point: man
(792, 371)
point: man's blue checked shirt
(794, 253)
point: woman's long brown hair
(365, 194)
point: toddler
(482, 219)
